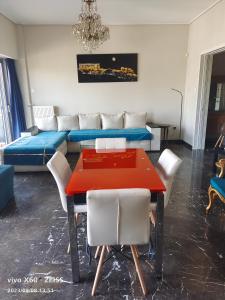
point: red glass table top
(113, 169)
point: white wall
(205, 34)
(51, 56)
(8, 38)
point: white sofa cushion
(46, 124)
(112, 121)
(67, 123)
(135, 120)
(89, 121)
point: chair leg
(212, 198)
(97, 251)
(136, 251)
(138, 269)
(99, 268)
(152, 216)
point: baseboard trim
(187, 145)
(179, 142)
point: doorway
(216, 103)
(205, 75)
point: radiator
(43, 111)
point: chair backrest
(118, 217)
(61, 171)
(167, 166)
(110, 143)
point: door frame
(203, 96)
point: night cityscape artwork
(107, 67)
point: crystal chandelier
(89, 31)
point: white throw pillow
(46, 124)
(112, 121)
(89, 121)
(67, 123)
(135, 120)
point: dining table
(114, 169)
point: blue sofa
(132, 134)
(6, 184)
(32, 151)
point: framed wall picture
(107, 67)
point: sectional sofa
(32, 151)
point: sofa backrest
(92, 121)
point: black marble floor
(34, 240)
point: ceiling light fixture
(90, 32)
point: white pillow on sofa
(67, 123)
(47, 124)
(135, 120)
(89, 121)
(112, 121)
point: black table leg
(73, 240)
(159, 234)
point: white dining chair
(167, 166)
(61, 171)
(118, 217)
(110, 143)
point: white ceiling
(113, 12)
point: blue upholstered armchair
(217, 185)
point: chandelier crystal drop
(90, 32)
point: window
(5, 119)
(220, 97)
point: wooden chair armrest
(221, 165)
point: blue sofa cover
(131, 134)
(6, 184)
(34, 150)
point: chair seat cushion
(133, 134)
(218, 184)
(34, 150)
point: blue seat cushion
(34, 150)
(131, 134)
(218, 184)
(6, 184)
